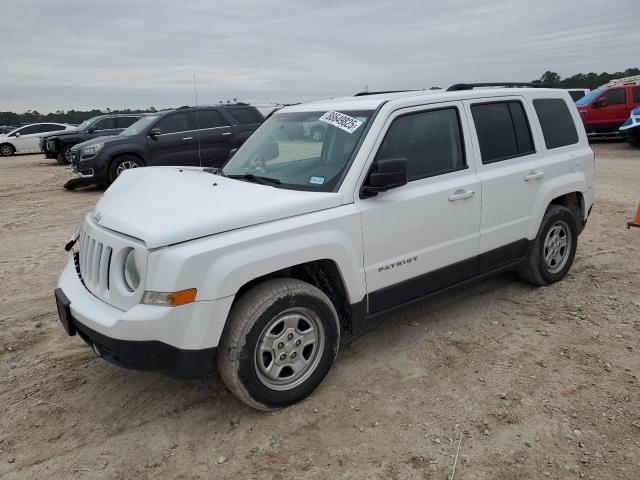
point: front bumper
(93, 168)
(178, 341)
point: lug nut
(298, 342)
(283, 356)
(290, 336)
(293, 355)
(280, 345)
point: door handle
(533, 176)
(226, 133)
(187, 138)
(461, 194)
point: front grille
(94, 261)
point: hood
(167, 205)
(107, 139)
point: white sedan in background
(27, 139)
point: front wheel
(7, 150)
(121, 164)
(279, 344)
(552, 252)
(65, 156)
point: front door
(615, 110)
(175, 143)
(423, 236)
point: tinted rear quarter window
(246, 115)
(503, 130)
(556, 121)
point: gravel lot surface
(537, 382)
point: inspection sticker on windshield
(316, 181)
(342, 121)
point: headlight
(131, 272)
(92, 150)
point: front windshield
(138, 127)
(84, 125)
(301, 150)
(590, 97)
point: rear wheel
(6, 149)
(121, 164)
(552, 252)
(279, 344)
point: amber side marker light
(170, 299)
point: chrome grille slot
(100, 261)
(94, 261)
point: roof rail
(471, 86)
(364, 94)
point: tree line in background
(579, 80)
(584, 80)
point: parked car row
(27, 139)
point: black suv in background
(59, 146)
(186, 136)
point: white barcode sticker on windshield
(342, 121)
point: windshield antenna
(195, 91)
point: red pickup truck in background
(606, 108)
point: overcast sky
(82, 54)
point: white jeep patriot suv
(261, 266)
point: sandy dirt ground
(536, 382)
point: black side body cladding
(415, 289)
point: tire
(278, 311)
(317, 134)
(6, 150)
(543, 266)
(64, 157)
(123, 163)
(634, 140)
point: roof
(371, 102)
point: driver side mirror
(154, 132)
(599, 103)
(389, 173)
(91, 129)
(17, 134)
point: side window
(246, 115)
(617, 96)
(124, 122)
(104, 124)
(50, 127)
(29, 130)
(210, 119)
(636, 94)
(177, 122)
(430, 141)
(503, 130)
(556, 121)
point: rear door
(511, 171)
(176, 143)
(27, 139)
(215, 135)
(245, 121)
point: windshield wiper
(256, 179)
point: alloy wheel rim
(126, 165)
(5, 150)
(68, 155)
(557, 247)
(289, 349)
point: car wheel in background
(279, 343)
(121, 164)
(65, 156)
(552, 252)
(6, 149)
(317, 134)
